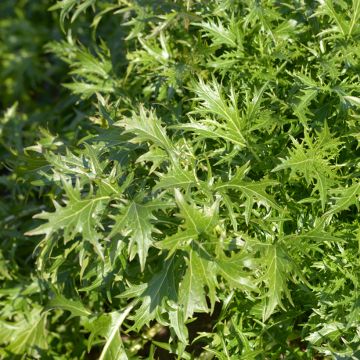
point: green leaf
(75, 307)
(179, 240)
(333, 330)
(177, 322)
(253, 192)
(79, 216)
(229, 125)
(207, 151)
(348, 196)
(219, 34)
(155, 155)
(200, 274)
(108, 326)
(278, 269)
(176, 178)
(353, 100)
(341, 24)
(233, 269)
(195, 220)
(146, 127)
(31, 335)
(162, 286)
(135, 221)
(311, 159)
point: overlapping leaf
(135, 220)
(207, 151)
(79, 216)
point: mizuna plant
(194, 186)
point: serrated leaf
(155, 155)
(353, 100)
(195, 220)
(161, 287)
(278, 269)
(200, 274)
(79, 216)
(230, 125)
(233, 269)
(219, 34)
(108, 326)
(176, 178)
(177, 322)
(75, 307)
(349, 196)
(31, 335)
(311, 159)
(147, 128)
(179, 240)
(328, 330)
(136, 219)
(317, 234)
(251, 191)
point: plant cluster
(191, 190)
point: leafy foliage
(179, 179)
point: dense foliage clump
(179, 179)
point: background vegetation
(179, 179)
